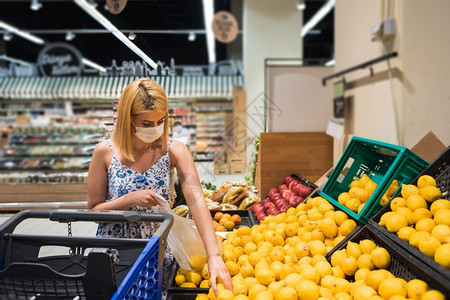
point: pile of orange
(224, 221)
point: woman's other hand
(217, 269)
(144, 198)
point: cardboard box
(238, 167)
(236, 156)
(429, 147)
(239, 99)
(221, 168)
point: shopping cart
(94, 268)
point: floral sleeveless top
(123, 180)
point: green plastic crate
(382, 162)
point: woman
(137, 163)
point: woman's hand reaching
(217, 269)
(144, 198)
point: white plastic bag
(183, 239)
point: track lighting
(35, 5)
(191, 37)
(301, 5)
(70, 36)
(7, 36)
(131, 36)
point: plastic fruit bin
(439, 169)
(173, 288)
(382, 162)
(403, 264)
(182, 296)
(94, 268)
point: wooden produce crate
(307, 153)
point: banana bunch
(181, 210)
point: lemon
(255, 290)
(384, 218)
(225, 295)
(337, 257)
(416, 237)
(405, 233)
(397, 202)
(442, 233)
(442, 216)
(361, 194)
(370, 186)
(407, 212)
(265, 276)
(392, 188)
(353, 249)
(415, 201)
(339, 216)
(233, 268)
(329, 227)
(255, 257)
(421, 213)
(340, 285)
(324, 268)
(347, 227)
(425, 180)
(204, 284)
(365, 261)
(240, 297)
(202, 297)
(374, 278)
(310, 273)
(438, 204)
(193, 277)
(247, 270)
(287, 269)
(366, 246)
(392, 287)
(188, 285)
(264, 295)
(430, 193)
(408, 189)
(243, 259)
(291, 229)
(325, 293)
(384, 200)
(361, 274)
(317, 248)
(275, 287)
(364, 292)
(349, 265)
(426, 224)
(287, 293)
(337, 240)
(301, 249)
(342, 296)
(396, 221)
(249, 282)
(196, 262)
(416, 288)
(380, 258)
(292, 280)
(364, 180)
(442, 255)
(433, 295)
(337, 272)
(428, 245)
(307, 290)
(179, 279)
(353, 204)
(228, 255)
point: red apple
(285, 207)
(272, 191)
(304, 191)
(265, 200)
(275, 196)
(287, 180)
(287, 193)
(280, 202)
(257, 208)
(293, 183)
(260, 216)
(273, 211)
(282, 186)
(268, 205)
(294, 201)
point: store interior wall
(409, 95)
(271, 29)
(298, 101)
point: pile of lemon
(197, 277)
(360, 191)
(285, 254)
(421, 217)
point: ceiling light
(208, 12)
(191, 37)
(131, 36)
(89, 9)
(70, 36)
(301, 5)
(323, 11)
(35, 5)
(23, 34)
(7, 36)
(330, 63)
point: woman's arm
(98, 185)
(193, 193)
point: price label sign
(338, 101)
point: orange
(218, 215)
(236, 219)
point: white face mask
(178, 128)
(150, 134)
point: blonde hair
(140, 96)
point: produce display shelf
(246, 217)
(403, 264)
(382, 162)
(182, 296)
(439, 169)
(94, 268)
